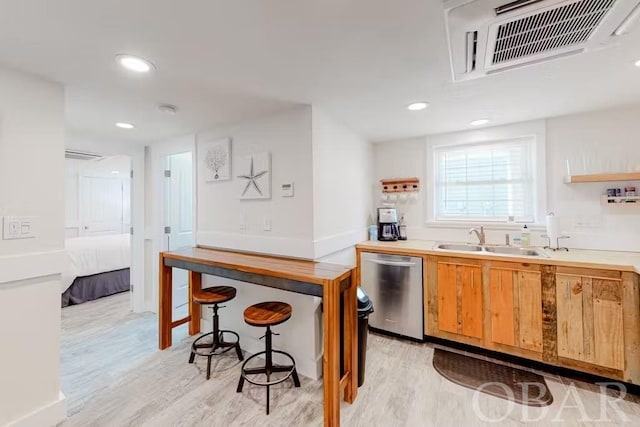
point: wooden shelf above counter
(602, 177)
(394, 185)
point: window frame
(534, 130)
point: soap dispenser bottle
(402, 229)
(525, 237)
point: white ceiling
(221, 61)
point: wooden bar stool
(268, 314)
(214, 296)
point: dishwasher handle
(392, 263)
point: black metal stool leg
(267, 397)
(216, 327)
(240, 384)
(239, 352)
(268, 352)
(296, 380)
(192, 357)
(209, 366)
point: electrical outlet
(267, 224)
(243, 222)
(17, 227)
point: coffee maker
(388, 224)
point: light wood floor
(113, 375)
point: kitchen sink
(497, 250)
(513, 251)
(459, 247)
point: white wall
(606, 139)
(342, 188)
(403, 159)
(31, 184)
(331, 169)
(602, 141)
(136, 153)
(287, 136)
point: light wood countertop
(605, 260)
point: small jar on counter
(373, 233)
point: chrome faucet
(479, 234)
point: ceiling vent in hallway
(489, 36)
(80, 155)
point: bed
(96, 266)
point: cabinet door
(471, 301)
(460, 299)
(590, 327)
(502, 310)
(516, 308)
(529, 311)
(447, 298)
(569, 320)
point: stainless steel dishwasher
(394, 284)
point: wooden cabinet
(590, 319)
(459, 290)
(515, 305)
(579, 316)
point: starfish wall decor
(256, 185)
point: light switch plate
(287, 189)
(18, 227)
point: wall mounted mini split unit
(491, 36)
(81, 155)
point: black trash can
(365, 308)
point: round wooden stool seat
(214, 295)
(268, 313)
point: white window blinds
(488, 181)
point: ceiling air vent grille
(81, 155)
(552, 29)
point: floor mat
(491, 378)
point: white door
(178, 213)
(101, 210)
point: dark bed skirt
(88, 288)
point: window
(488, 181)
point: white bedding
(96, 254)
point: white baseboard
(49, 415)
(14, 268)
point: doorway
(97, 228)
(178, 220)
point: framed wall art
(255, 176)
(215, 157)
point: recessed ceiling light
(417, 106)
(124, 125)
(135, 63)
(115, 172)
(637, 63)
(479, 122)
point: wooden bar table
(329, 281)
